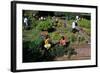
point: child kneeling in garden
(47, 44)
(64, 41)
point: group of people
(63, 41)
(54, 19)
(47, 42)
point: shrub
(57, 51)
(72, 38)
(36, 43)
(55, 36)
(32, 22)
(85, 23)
(32, 50)
(44, 25)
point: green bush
(55, 36)
(32, 22)
(58, 51)
(85, 23)
(44, 25)
(32, 50)
(72, 38)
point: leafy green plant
(84, 23)
(44, 25)
(32, 22)
(55, 36)
(32, 50)
(58, 51)
(73, 38)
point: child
(47, 44)
(62, 41)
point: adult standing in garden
(77, 18)
(75, 27)
(26, 22)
